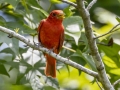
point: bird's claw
(38, 44)
(52, 49)
(10, 36)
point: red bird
(51, 36)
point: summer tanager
(51, 36)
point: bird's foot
(52, 49)
(38, 44)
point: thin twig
(81, 41)
(104, 44)
(91, 4)
(115, 30)
(74, 40)
(99, 85)
(112, 30)
(68, 2)
(116, 82)
(45, 50)
(72, 50)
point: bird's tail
(50, 66)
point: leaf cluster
(23, 16)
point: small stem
(72, 50)
(99, 85)
(49, 7)
(112, 30)
(116, 82)
(73, 40)
(91, 4)
(99, 43)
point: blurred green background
(22, 68)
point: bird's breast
(50, 35)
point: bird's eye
(54, 14)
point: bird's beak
(61, 16)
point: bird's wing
(39, 29)
(60, 42)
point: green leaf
(55, 1)
(73, 25)
(36, 14)
(68, 11)
(78, 59)
(23, 49)
(41, 12)
(5, 57)
(8, 51)
(33, 3)
(36, 82)
(84, 39)
(49, 88)
(118, 19)
(13, 64)
(12, 2)
(52, 82)
(3, 70)
(2, 21)
(109, 62)
(1, 43)
(15, 46)
(23, 28)
(12, 43)
(21, 76)
(110, 53)
(36, 7)
(24, 69)
(67, 68)
(90, 61)
(39, 64)
(87, 58)
(4, 38)
(115, 71)
(25, 63)
(72, 0)
(119, 1)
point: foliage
(23, 16)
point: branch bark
(62, 59)
(92, 44)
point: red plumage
(51, 36)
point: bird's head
(57, 14)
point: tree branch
(91, 4)
(68, 2)
(62, 59)
(116, 82)
(92, 44)
(112, 30)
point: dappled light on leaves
(22, 66)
